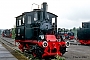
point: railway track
(12, 49)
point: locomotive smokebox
(44, 8)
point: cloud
(76, 10)
(69, 24)
(78, 13)
(70, 12)
(73, 13)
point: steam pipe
(44, 10)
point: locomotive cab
(31, 24)
(36, 33)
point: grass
(59, 58)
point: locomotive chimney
(44, 8)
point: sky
(71, 13)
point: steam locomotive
(66, 34)
(7, 33)
(83, 34)
(37, 35)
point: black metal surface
(85, 24)
(83, 34)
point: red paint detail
(34, 54)
(21, 46)
(50, 37)
(71, 37)
(28, 41)
(58, 37)
(85, 42)
(2, 34)
(10, 35)
(65, 34)
(40, 43)
(22, 42)
(49, 49)
(27, 46)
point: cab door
(28, 26)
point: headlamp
(45, 44)
(67, 44)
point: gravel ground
(78, 52)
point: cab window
(23, 19)
(29, 20)
(19, 22)
(35, 16)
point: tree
(67, 30)
(70, 30)
(74, 29)
(13, 33)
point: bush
(59, 58)
(13, 33)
